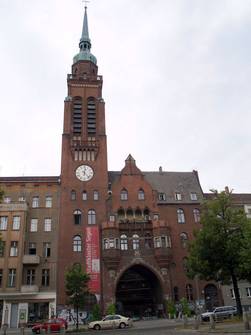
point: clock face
(84, 173)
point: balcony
(31, 259)
(29, 289)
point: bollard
(185, 321)
(5, 327)
(245, 321)
(196, 322)
(22, 330)
(212, 322)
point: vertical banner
(92, 256)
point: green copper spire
(85, 44)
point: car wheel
(122, 325)
(97, 327)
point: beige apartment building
(28, 253)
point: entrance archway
(139, 293)
(211, 296)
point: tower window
(91, 216)
(73, 195)
(84, 195)
(95, 195)
(135, 242)
(77, 217)
(91, 117)
(123, 242)
(77, 243)
(77, 116)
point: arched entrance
(211, 296)
(139, 293)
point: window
(184, 263)
(248, 290)
(45, 277)
(233, 294)
(12, 278)
(157, 242)
(34, 223)
(141, 195)
(13, 248)
(47, 249)
(189, 292)
(21, 199)
(135, 242)
(2, 248)
(32, 248)
(181, 215)
(121, 214)
(35, 202)
(48, 202)
(124, 194)
(106, 243)
(148, 241)
(84, 195)
(196, 215)
(77, 116)
(47, 224)
(77, 243)
(123, 242)
(91, 117)
(1, 277)
(30, 277)
(193, 196)
(112, 218)
(111, 243)
(77, 217)
(162, 242)
(176, 293)
(16, 223)
(178, 196)
(183, 240)
(91, 216)
(155, 216)
(7, 200)
(162, 196)
(95, 195)
(3, 222)
(73, 195)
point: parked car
(111, 321)
(220, 313)
(55, 325)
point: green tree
(76, 287)
(96, 312)
(111, 309)
(219, 249)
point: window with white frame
(178, 196)
(95, 195)
(48, 202)
(13, 248)
(141, 194)
(112, 218)
(7, 200)
(3, 222)
(124, 194)
(84, 195)
(123, 242)
(30, 277)
(16, 223)
(248, 291)
(157, 242)
(12, 277)
(47, 224)
(77, 243)
(162, 196)
(21, 199)
(106, 243)
(193, 196)
(135, 242)
(196, 215)
(34, 225)
(91, 216)
(35, 202)
(180, 215)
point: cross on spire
(85, 2)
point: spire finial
(85, 42)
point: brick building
(128, 229)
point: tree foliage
(219, 250)
(76, 287)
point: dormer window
(193, 196)
(162, 196)
(178, 196)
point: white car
(111, 321)
(218, 313)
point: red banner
(92, 256)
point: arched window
(77, 116)
(124, 194)
(141, 194)
(196, 215)
(138, 213)
(77, 216)
(135, 242)
(73, 195)
(183, 240)
(91, 216)
(123, 242)
(121, 214)
(77, 243)
(129, 213)
(84, 195)
(176, 293)
(91, 117)
(181, 215)
(106, 243)
(189, 292)
(148, 241)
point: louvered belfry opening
(77, 116)
(91, 117)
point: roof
(35, 179)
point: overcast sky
(177, 81)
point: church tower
(84, 176)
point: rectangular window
(248, 290)
(47, 224)
(157, 242)
(21, 199)
(45, 277)
(193, 196)
(178, 196)
(35, 202)
(95, 195)
(34, 224)
(13, 248)
(16, 223)
(1, 277)
(30, 277)
(47, 249)
(3, 222)
(112, 218)
(7, 200)
(32, 248)
(12, 277)
(155, 216)
(48, 202)
(163, 241)
(2, 248)
(233, 294)
(162, 196)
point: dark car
(220, 313)
(54, 325)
